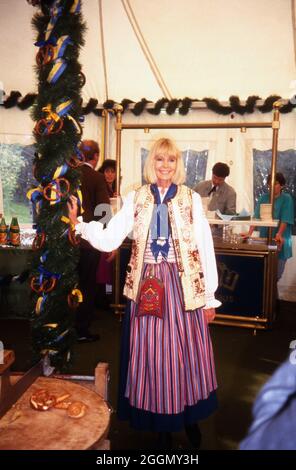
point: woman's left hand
(210, 314)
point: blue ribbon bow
(160, 227)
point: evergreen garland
(54, 274)
(182, 106)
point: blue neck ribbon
(160, 227)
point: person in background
(104, 276)
(108, 169)
(274, 411)
(168, 378)
(94, 193)
(283, 211)
(222, 195)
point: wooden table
(23, 428)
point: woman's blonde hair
(167, 147)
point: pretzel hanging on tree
(48, 126)
(45, 55)
(54, 119)
(76, 160)
(44, 286)
(56, 194)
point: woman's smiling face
(165, 166)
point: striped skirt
(167, 364)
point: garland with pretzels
(180, 105)
(57, 114)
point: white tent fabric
(201, 48)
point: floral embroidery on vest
(187, 256)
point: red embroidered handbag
(151, 297)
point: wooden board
(23, 428)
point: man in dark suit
(222, 195)
(94, 193)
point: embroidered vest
(187, 256)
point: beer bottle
(14, 232)
(3, 231)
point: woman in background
(283, 211)
(109, 171)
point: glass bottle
(14, 232)
(3, 231)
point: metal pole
(106, 134)
(275, 135)
(226, 125)
(103, 140)
(118, 129)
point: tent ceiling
(201, 48)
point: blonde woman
(168, 379)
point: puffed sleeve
(204, 241)
(110, 238)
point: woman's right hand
(73, 210)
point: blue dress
(283, 211)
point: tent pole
(275, 135)
(105, 147)
(118, 129)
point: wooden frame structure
(120, 126)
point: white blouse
(121, 225)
